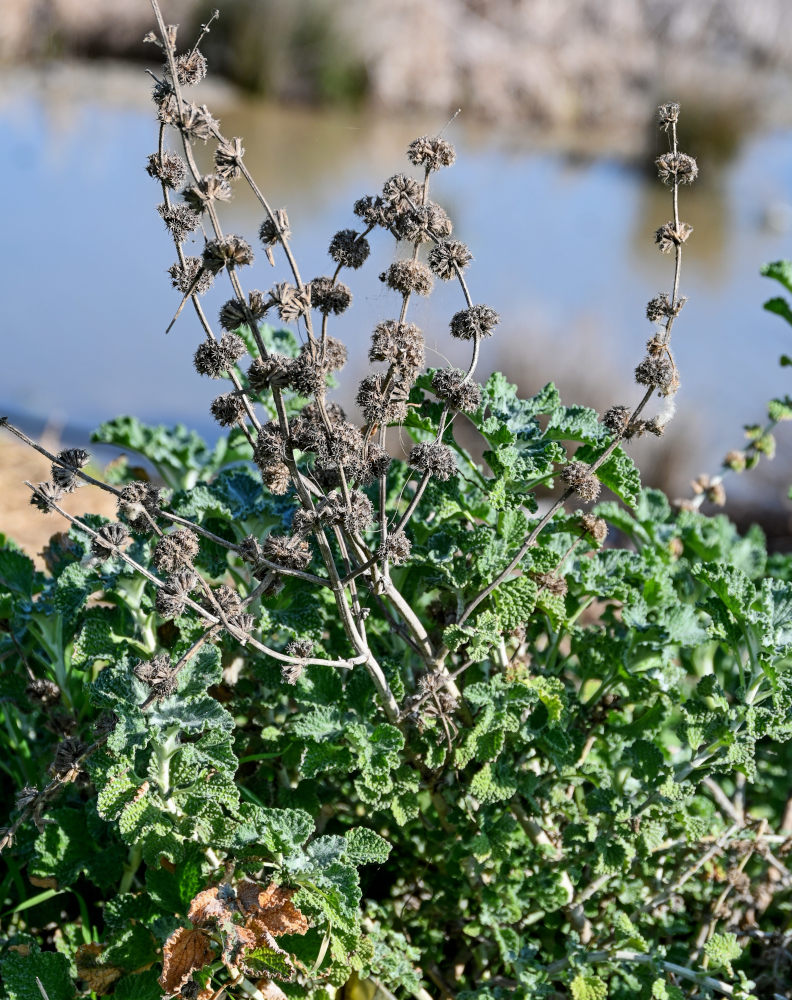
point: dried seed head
(228, 409)
(667, 115)
(659, 308)
(292, 552)
(378, 405)
(431, 152)
(277, 477)
(300, 648)
(231, 251)
(227, 599)
(214, 358)
(396, 548)
(329, 296)
(176, 550)
(24, 797)
(270, 445)
(657, 372)
(360, 513)
(43, 692)
(291, 302)
(139, 505)
(242, 623)
(64, 471)
(172, 598)
(190, 67)
(208, 189)
(45, 496)
(616, 419)
(423, 224)
(108, 535)
(67, 753)
(292, 672)
(192, 276)
(306, 377)
(375, 465)
(267, 372)
(669, 236)
(158, 675)
(555, 585)
(676, 168)
(374, 211)
(448, 258)
(169, 168)
(398, 191)
(435, 458)
(582, 481)
(180, 220)
(228, 158)
(595, 527)
(349, 249)
(460, 393)
(400, 344)
(197, 123)
(271, 232)
(477, 321)
(333, 354)
(406, 276)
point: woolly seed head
(396, 548)
(378, 405)
(267, 372)
(595, 527)
(667, 115)
(227, 599)
(657, 372)
(374, 211)
(435, 458)
(271, 232)
(616, 419)
(406, 276)
(400, 344)
(190, 67)
(292, 552)
(460, 394)
(184, 278)
(231, 251)
(65, 475)
(197, 123)
(169, 168)
(659, 308)
(477, 321)
(669, 236)
(179, 219)
(582, 481)
(228, 409)
(423, 224)
(431, 152)
(214, 358)
(233, 314)
(176, 550)
(291, 302)
(228, 158)
(45, 496)
(448, 257)
(329, 296)
(158, 675)
(676, 168)
(349, 249)
(108, 535)
(552, 583)
(43, 692)
(360, 513)
(398, 191)
(276, 477)
(208, 189)
(139, 505)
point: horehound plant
(327, 722)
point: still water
(562, 238)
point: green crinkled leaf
(722, 949)
(780, 409)
(268, 962)
(493, 783)
(588, 988)
(173, 891)
(364, 847)
(65, 849)
(75, 584)
(780, 307)
(576, 423)
(131, 949)
(97, 639)
(515, 601)
(281, 831)
(143, 986)
(241, 491)
(480, 636)
(619, 473)
(178, 454)
(21, 971)
(778, 270)
(17, 572)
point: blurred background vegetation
(553, 190)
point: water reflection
(563, 243)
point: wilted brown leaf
(184, 952)
(43, 883)
(270, 990)
(208, 905)
(97, 977)
(272, 907)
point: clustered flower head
(582, 480)
(396, 548)
(349, 249)
(676, 168)
(169, 168)
(407, 276)
(171, 599)
(180, 220)
(329, 296)
(456, 389)
(192, 277)
(448, 258)
(400, 344)
(434, 458)
(215, 357)
(290, 301)
(668, 115)
(231, 251)
(657, 372)
(190, 67)
(660, 308)
(595, 527)
(423, 224)
(477, 321)
(616, 419)
(431, 152)
(176, 550)
(158, 675)
(234, 313)
(228, 409)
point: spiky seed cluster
(214, 358)
(270, 446)
(169, 168)
(582, 480)
(176, 550)
(171, 599)
(228, 409)
(228, 158)
(179, 219)
(378, 404)
(109, 536)
(659, 308)
(374, 211)
(276, 477)
(676, 168)
(333, 354)
(400, 344)
(460, 393)
(406, 276)
(193, 276)
(306, 376)
(67, 753)
(360, 513)
(139, 505)
(401, 190)
(227, 599)
(448, 258)
(431, 152)
(616, 419)
(45, 693)
(265, 373)
(64, 471)
(190, 67)
(552, 583)
(197, 123)
(231, 251)
(669, 236)
(158, 675)
(208, 189)
(292, 552)
(477, 321)
(396, 548)
(272, 232)
(300, 648)
(423, 224)
(375, 465)
(657, 372)
(667, 115)
(349, 249)
(329, 296)
(595, 527)
(242, 623)
(434, 458)
(291, 302)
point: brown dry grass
(26, 525)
